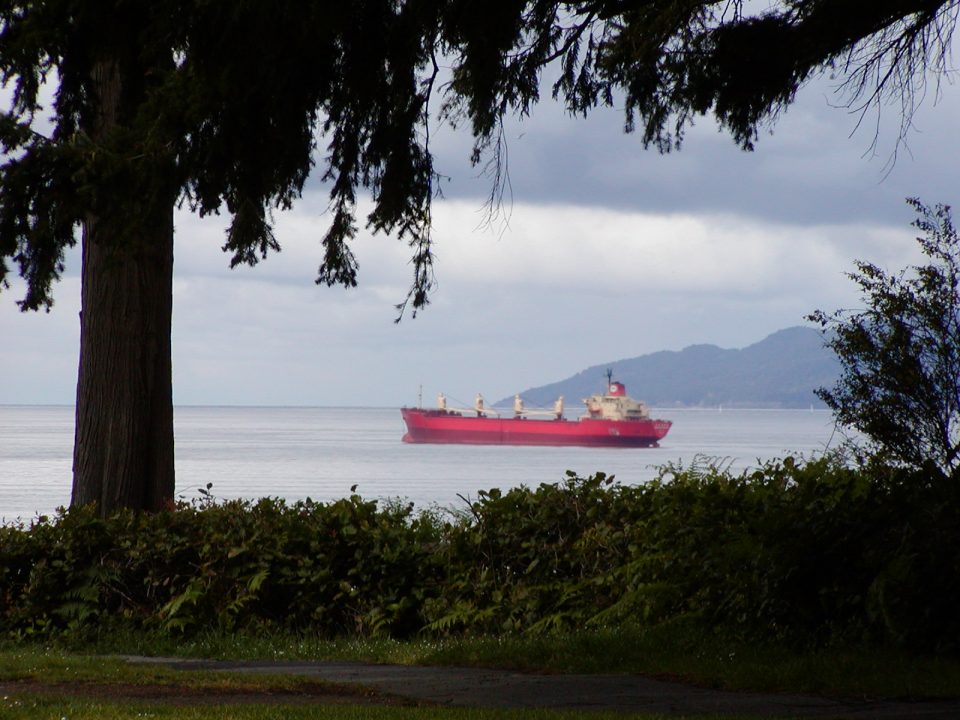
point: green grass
(667, 652)
(54, 667)
(683, 653)
(41, 709)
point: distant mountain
(780, 371)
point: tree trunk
(123, 447)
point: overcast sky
(604, 251)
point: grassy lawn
(668, 652)
(34, 709)
(84, 682)
(37, 683)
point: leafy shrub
(809, 552)
(900, 354)
(535, 559)
(347, 566)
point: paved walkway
(476, 687)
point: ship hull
(439, 426)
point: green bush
(342, 567)
(807, 552)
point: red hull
(439, 426)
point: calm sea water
(295, 453)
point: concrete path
(477, 687)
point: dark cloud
(819, 163)
(709, 244)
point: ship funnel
(617, 389)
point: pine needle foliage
(117, 112)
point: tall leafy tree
(900, 353)
(227, 105)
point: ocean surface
(295, 453)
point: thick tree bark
(123, 448)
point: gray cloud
(610, 251)
(814, 166)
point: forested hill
(780, 371)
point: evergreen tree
(216, 105)
(225, 105)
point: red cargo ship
(612, 420)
